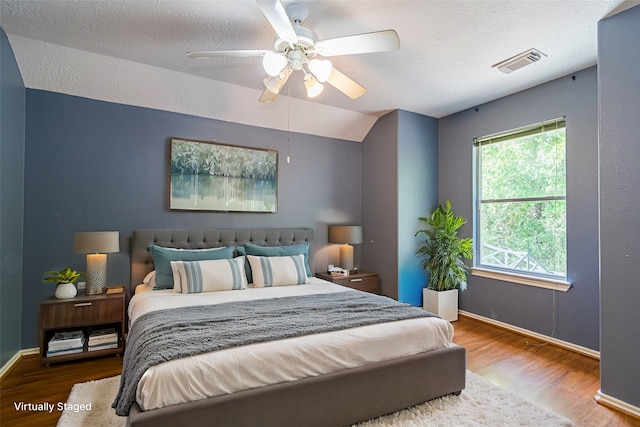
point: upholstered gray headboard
(142, 262)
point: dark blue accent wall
(619, 98)
(417, 195)
(571, 316)
(93, 165)
(12, 125)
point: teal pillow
(162, 258)
(297, 249)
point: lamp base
(96, 273)
(346, 257)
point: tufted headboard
(142, 262)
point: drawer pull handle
(355, 280)
(82, 304)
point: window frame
(522, 277)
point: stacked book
(102, 339)
(66, 343)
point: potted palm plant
(64, 279)
(443, 254)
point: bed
(341, 393)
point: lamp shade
(314, 88)
(94, 242)
(345, 234)
(273, 63)
(275, 83)
(321, 68)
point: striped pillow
(209, 275)
(278, 270)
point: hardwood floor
(30, 382)
(558, 379)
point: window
(521, 202)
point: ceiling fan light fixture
(273, 63)
(314, 87)
(296, 48)
(321, 69)
(274, 84)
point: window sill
(539, 282)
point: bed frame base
(337, 399)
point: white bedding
(256, 365)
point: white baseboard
(564, 344)
(607, 400)
(16, 357)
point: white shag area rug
(480, 404)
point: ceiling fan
(298, 49)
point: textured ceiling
(443, 65)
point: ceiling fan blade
(226, 53)
(277, 17)
(380, 41)
(267, 96)
(345, 85)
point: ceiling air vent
(520, 60)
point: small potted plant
(443, 255)
(64, 279)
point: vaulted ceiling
(134, 52)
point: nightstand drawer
(367, 284)
(79, 313)
(361, 281)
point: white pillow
(142, 288)
(150, 279)
(209, 275)
(278, 270)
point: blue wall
(619, 98)
(93, 165)
(417, 195)
(400, 184)
(576, 311)
(12, 124)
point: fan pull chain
(288, 123)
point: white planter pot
(444, 303)
(66, 291)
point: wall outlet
(80, 285)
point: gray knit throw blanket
(164, 335)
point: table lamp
(96, 244)
(346, 235)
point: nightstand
(361, 281)
(86, 313)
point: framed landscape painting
(208, 176)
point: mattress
(257, 365)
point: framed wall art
(209, 176)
